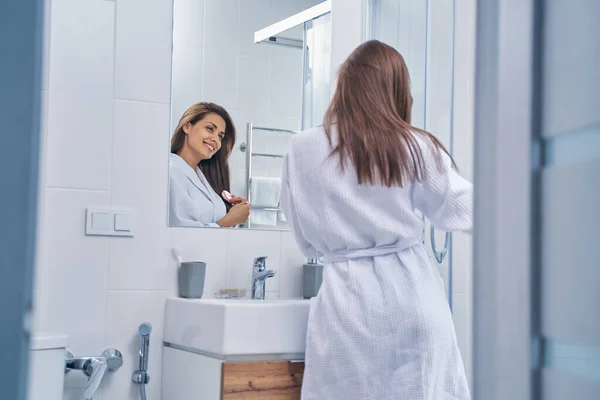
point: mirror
(267, 65)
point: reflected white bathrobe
(192, 201)
(380, 327)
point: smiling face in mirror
(202, 139)
(199, 170)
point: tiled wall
(106, 129)
(105, 137)
(215, 59)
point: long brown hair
(216, 168)
(371, 111)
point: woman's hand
(238, 214)
(238, 200)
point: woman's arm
(289, 210)
(180, 211)
(238, 214)
(445, 197)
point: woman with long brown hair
(380, 327)
(199, 170)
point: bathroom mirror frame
(248, 141)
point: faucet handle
(260, 263)
(97, 368)
(94, 367)
(114, 359)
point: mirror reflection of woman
(199, 170)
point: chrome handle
(97, 368)
(94, 367)
(439, 255)
(260, 263)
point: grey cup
(191, 279)
(312, 278)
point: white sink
(237, 327)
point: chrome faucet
(94, 368)
(259, 277)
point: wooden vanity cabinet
(261, 380)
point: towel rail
(247, 148)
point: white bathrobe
(192, 201)
(380, 327)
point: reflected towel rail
(265, 208)
(267, 155)
(247, 148)
(259, 128)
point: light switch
(100, 221)
(123, 222)
(110, 222)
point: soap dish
(231, 294)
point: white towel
(281, 217)
(264, 192)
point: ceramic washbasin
(237, 327)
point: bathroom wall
(215, 59)
(105, 138)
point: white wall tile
(279, 142)
(187, 81)
(143, 50)
(242, 247)
(209, 245)
(282, 122)
(75, 26)
(260, 140)
(122, 333)
(139, 181)
(81, 94)
(279, 10)
(253, 79)
(238, 158)
(79, 141)
(188, 24)
(290, 279)
(72, 273)
(259, 166)
(238, 182)
(285, 89)
(220, 53)
(253, 16)
(272, 295)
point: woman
(199, 170)
(380, 327)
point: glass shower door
(317, 70)
(423, 32)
